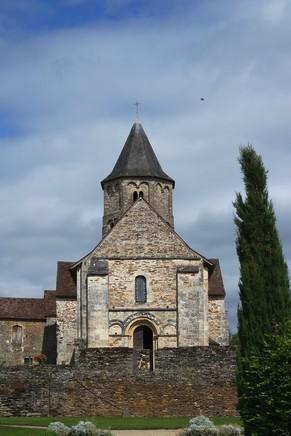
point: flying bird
(202, 98)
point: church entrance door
(143, 346)
(143, 338)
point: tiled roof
(215, 283)
(66, 285)
(22, 308)
(29, 308)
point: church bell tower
(137, 174)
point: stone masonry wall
(31, 344)
(160, 307)
(118, 197)
(160, 279)
(217, 321)
(186, 382)
(66, 330)
(192, 304)
(98, 311)
(142, 233)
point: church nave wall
(160, 278)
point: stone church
(141, 287)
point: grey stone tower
(137, 173)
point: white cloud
(71, 92)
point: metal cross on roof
(137, 103)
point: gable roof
(36, 309)
(142, 233)
(215, 282)
(137, 158)
(66, 285)
(113, 247)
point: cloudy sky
(70, 71)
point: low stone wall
(186, 381)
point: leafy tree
(264, 284)
(265, 400)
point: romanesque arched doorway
(143, 348)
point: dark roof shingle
(66, 285)
(22, 308)
(137, 158)
(215, 282)
(36, 309)
(49, 298)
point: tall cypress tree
(264, 283)
(264, 286)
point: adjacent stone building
(141, 287)
(27, 329)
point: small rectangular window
(140, 289)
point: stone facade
(180, 308)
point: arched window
(16, 335)
(140, 289)
(135, 196)
(140, 194)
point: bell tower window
(135, 196)
(140, 289)
(140, 194)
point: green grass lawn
(24, 432)
(114, 422)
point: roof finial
(137, 103)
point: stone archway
(143, 340)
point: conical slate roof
(137, 158)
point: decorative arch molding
(142, 321)
(115, 321)
(141, 316)
(159, 187)
(143, 185)
(138, 185)
(133, 184)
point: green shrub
(203, 426)
(230, 430)
(200, 426)
(83, 428)
(59, 428)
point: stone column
(192, 323)
(97, 304)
